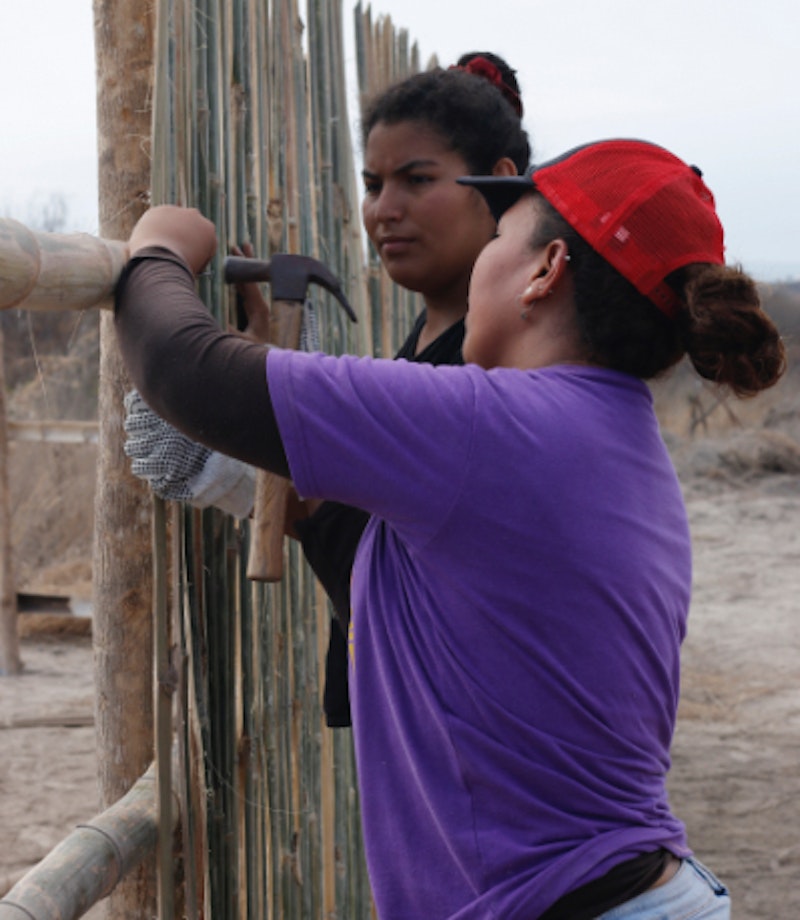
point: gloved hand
(177, 468)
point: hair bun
(481, 66)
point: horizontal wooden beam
(88, 864)
(56, 432)
(57, 271)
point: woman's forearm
(207, 383)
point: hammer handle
(265, 562)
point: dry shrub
(52, 515)
(739, 455)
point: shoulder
(394, 387)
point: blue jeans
(693, 893)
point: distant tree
(59, 347)
(48, 213)
(45, 211)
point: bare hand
(252, 300)
(183, 231)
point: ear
(548, 269)
(504, 167)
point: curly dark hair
(467, 111)
(728, 338)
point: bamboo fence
(250, 125)
(256, 135)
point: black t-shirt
(331, 536)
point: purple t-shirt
(519, 600)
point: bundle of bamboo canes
(272, 825)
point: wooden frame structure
(238, 108)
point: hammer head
(288, 275)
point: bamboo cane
(57, 271)
(88, 864)
(10, 661)
(164, 689)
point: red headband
(483, 67)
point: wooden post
(122, 570)
(10, 662)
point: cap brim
(500, 192)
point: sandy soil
(735, 779)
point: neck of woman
(439, 317)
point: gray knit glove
(178, 469)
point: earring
(525, 312)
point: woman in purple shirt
(521, 591)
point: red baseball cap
(645, 211)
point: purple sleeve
(391, 437)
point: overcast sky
(715, 81)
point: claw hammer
(289, 277)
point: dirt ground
(735, 779)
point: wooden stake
(122, 580)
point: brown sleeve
(209, 384)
